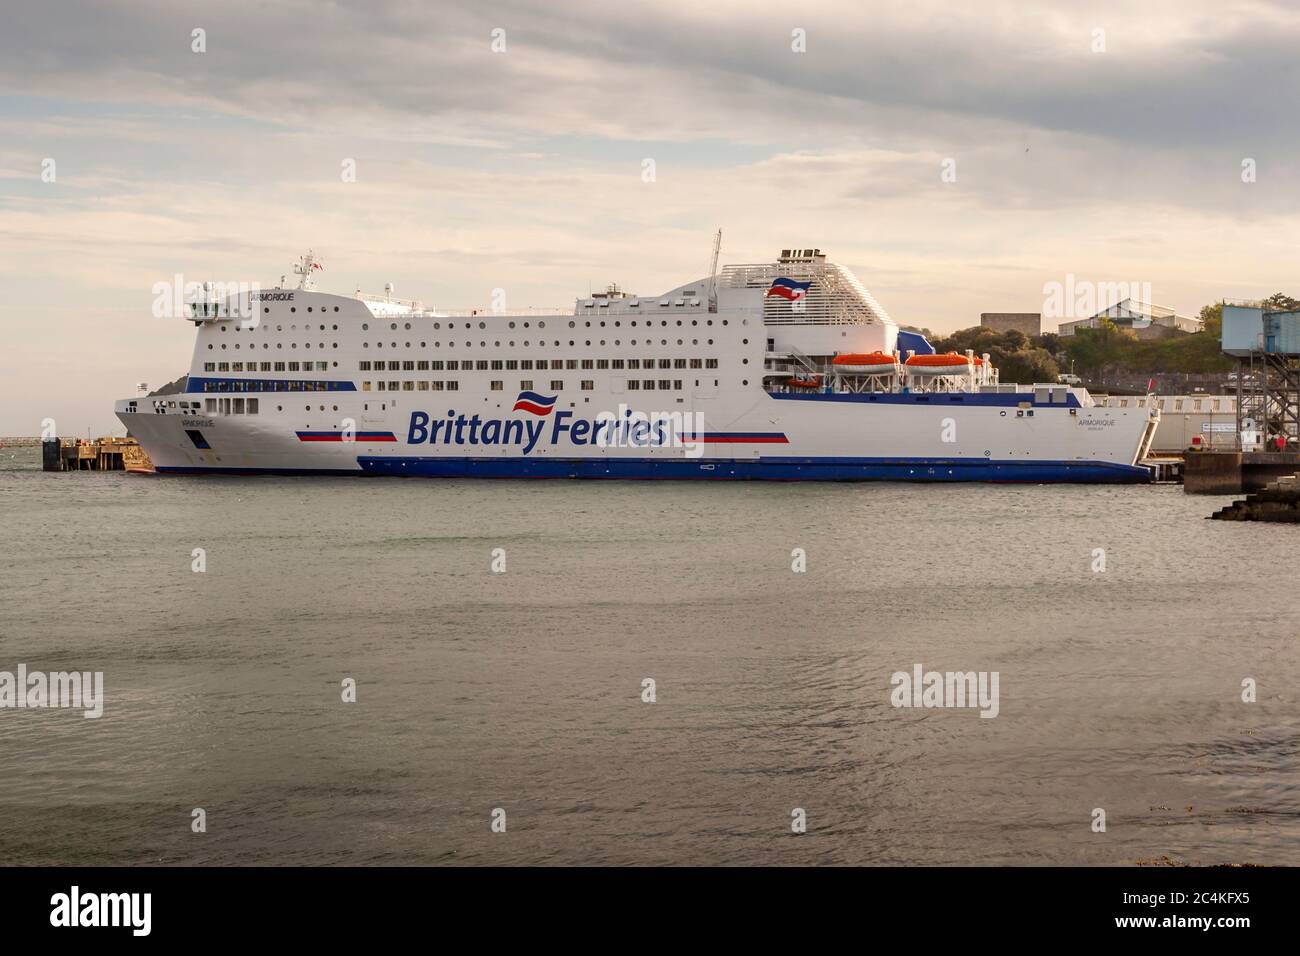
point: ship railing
(808, 364)
(420, 310)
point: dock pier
(1231, 473)
(102, 454)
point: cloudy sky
(1100, 140)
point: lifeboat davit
(950, 363)
(813, 382)
(869, 363)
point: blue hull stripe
(994, 399)
(760, 469)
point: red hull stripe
(338, 436)
(735, 438)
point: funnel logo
(535, 404)
(788, 289)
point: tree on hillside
(1278, 302)
(1094, 349)
(1051, 341)
(1010, 351)
(1027, 366)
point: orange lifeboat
(949, 363)
(865, 363)
(814, 381)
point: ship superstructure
(787, 370)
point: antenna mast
(713, 272)
(305, 266)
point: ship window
(394, 366)
(525, 365)
(588, 385)
(453, 365)
(633, 385)
(616, 363)
(512, 365)
(210, 405)
(435, 365)
(679, 363)
(665, 363)
(435, 386)
(710, 363)
(481, 365)
(223, 366)
(453, 386)
(665, 384)
(238, 406)
(557, 363)
(408, 366)
(571, 363)
(677, 384)
(495, 386)
(421, 386)
(526, 385)
(556, 385)
(379, 386)
(363, 366)
(632, 363)
(393, 386)
(422, 366)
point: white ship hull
(464, 396)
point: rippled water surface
(1119, 690)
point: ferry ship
(788, 370)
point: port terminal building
(1145, 320)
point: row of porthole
(278, 345)
(540, 325)
(540, 343)
(294, 308)
(278, 328)
(266, 309)
(280, 408)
